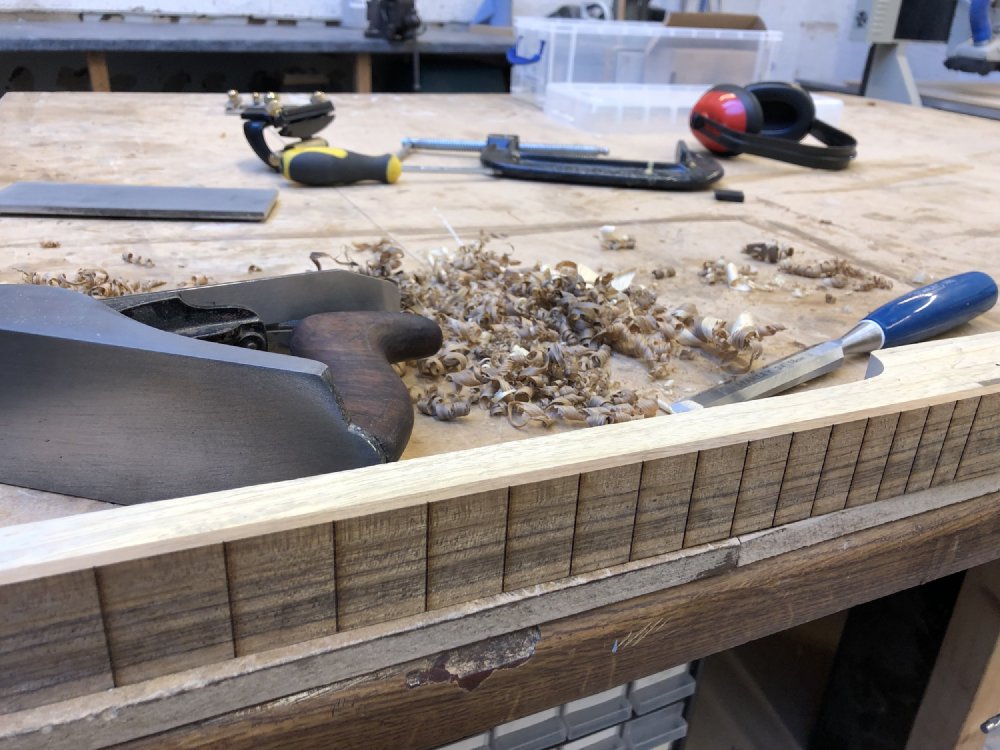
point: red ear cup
(788, 111)
(729, 105)
(769, 119)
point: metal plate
(136, 201)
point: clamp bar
(458, 144)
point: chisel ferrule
(866, 336)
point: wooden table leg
(97, 66)
(363, 73)
(964, 689)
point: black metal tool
(89, 200)
(503, 156)
(235, 326)
(690, 171)
(393, 20)
(105, 400)
(302, 122)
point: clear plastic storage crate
(635, 52)
(641, 108)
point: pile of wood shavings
(95, 282)
(535, 344)
(98, 283)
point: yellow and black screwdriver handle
(311, 161)
(329, 166)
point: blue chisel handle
(935, 308)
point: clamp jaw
(301, 122)
(689, 171)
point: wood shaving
(95, 282)
(768, 252)
(728, 341)
(740, 278)
(534, 345)
(314, 257)
(137, 260)
(614, 239)
(837, 273)
(443, 407)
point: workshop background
(817, 45)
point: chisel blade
(774, 378)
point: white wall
(817, 44)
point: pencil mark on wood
(166, 613)
(664, 497)
(980, 455)
(872, 459)
(713, 499)
(635, 636)
(281, 588)
(52, 644)
(381, 563)
(605, 517)
(902, 454)
(540, 523)
(955, 440)
(760, 484)
(465, 548)
(839, 466)
(929, 449)
(802, 474)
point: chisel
(916, 316)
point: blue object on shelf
(515, 59)
(493, 13)
(979, 20)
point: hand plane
(174, 393)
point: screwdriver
(324, 165)
(328, 166)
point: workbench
(97, 40)
(918, 204)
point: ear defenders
(768, 119)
